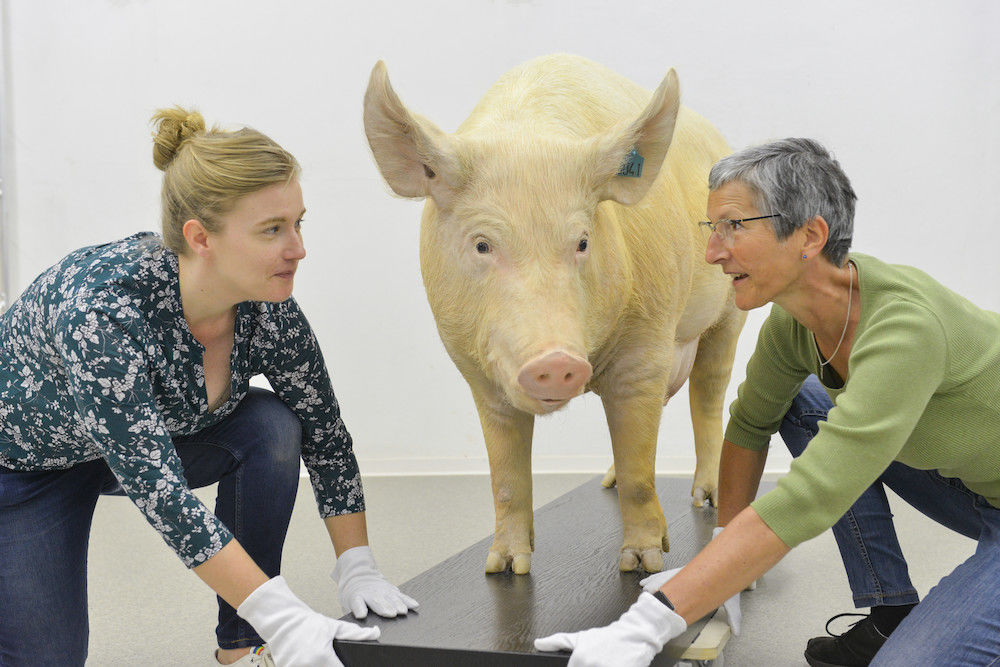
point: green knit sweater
(923, 388)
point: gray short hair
(798, 179)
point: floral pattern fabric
(97, 361)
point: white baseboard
(541, 465)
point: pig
(560, 253)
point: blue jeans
(958, 623)
(45, 522)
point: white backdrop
(905, 93)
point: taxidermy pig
(561, 253)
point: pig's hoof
(495, 563)
(519, 564)
(650, 559)
(699, 496)
(609, 478)
(628, 561)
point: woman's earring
(805, 256)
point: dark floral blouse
(97, 362)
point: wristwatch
(664, 599)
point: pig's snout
(554, 376)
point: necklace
(850, 292)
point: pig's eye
(483, 248)
(582, 246)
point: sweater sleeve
(298, 374)
(106, 362)
(773, 379)
(895, 367)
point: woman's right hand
(653, 582)
(296, 634)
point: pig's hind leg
(710, 375)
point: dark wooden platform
(468, 618)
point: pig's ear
(629, 157)
(415, 157)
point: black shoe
(854, 648)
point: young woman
(125, 368)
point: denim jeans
(45, 520)
(958, 623)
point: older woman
(125, 368)
(914, 372)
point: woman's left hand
(631, 641)
(360, 586)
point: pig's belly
(683, 362)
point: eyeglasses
(726, 228)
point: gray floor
(147, 609)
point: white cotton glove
(631, 641)
(297, 635)
(360, 586)
(653, 582)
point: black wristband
(664, 599)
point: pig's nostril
(569, 376)
(543, 377)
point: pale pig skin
(549, 275)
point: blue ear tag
(632, 166)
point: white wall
(905, 93)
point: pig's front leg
(508, 443)
(634, 422)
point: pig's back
(560, 94)
(571, 96)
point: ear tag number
(632, 166)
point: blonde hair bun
(172, 127)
